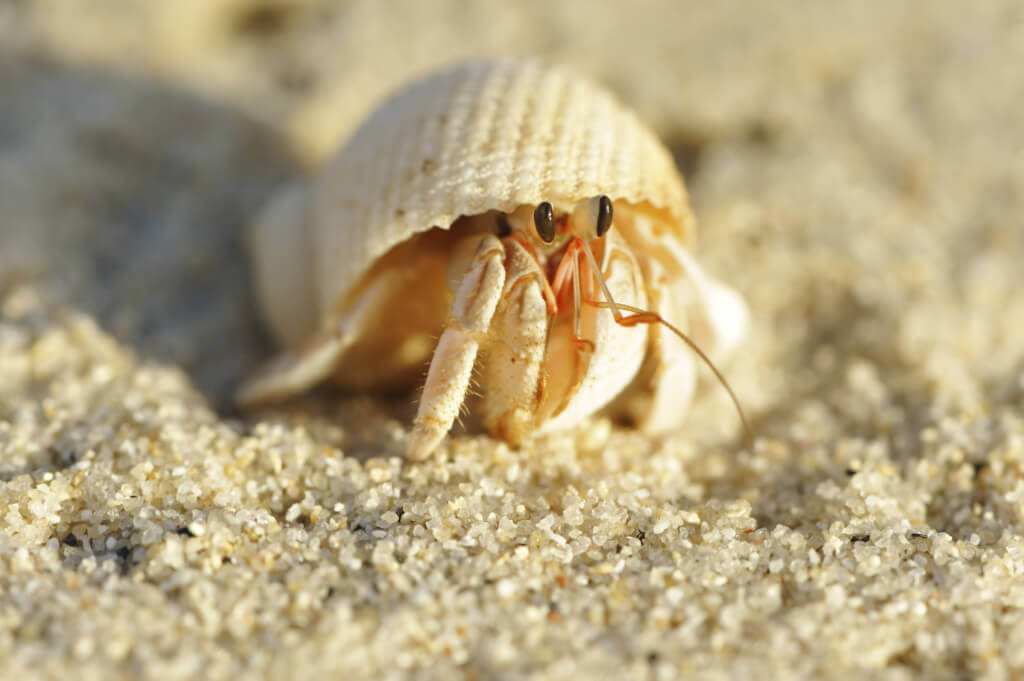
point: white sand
(858, 171)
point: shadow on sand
(131, 199)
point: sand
(858, 171)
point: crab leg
(512, 370)
(452, 364)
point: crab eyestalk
(591, 219)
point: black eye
(544, 219)
(604, 215)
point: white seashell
(356, 273)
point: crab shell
(475, 138)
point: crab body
(469, 223)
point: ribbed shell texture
(480, 136)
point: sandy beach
(857, 171)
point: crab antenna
(648, 317)
(576, 295)
(600, 280)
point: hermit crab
(504, 217)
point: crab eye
(604, 216)
(544, 219)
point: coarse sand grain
(858, 173)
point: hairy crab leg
(452, 364)
(513, 366)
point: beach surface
(857, 170)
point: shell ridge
(479, 136)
